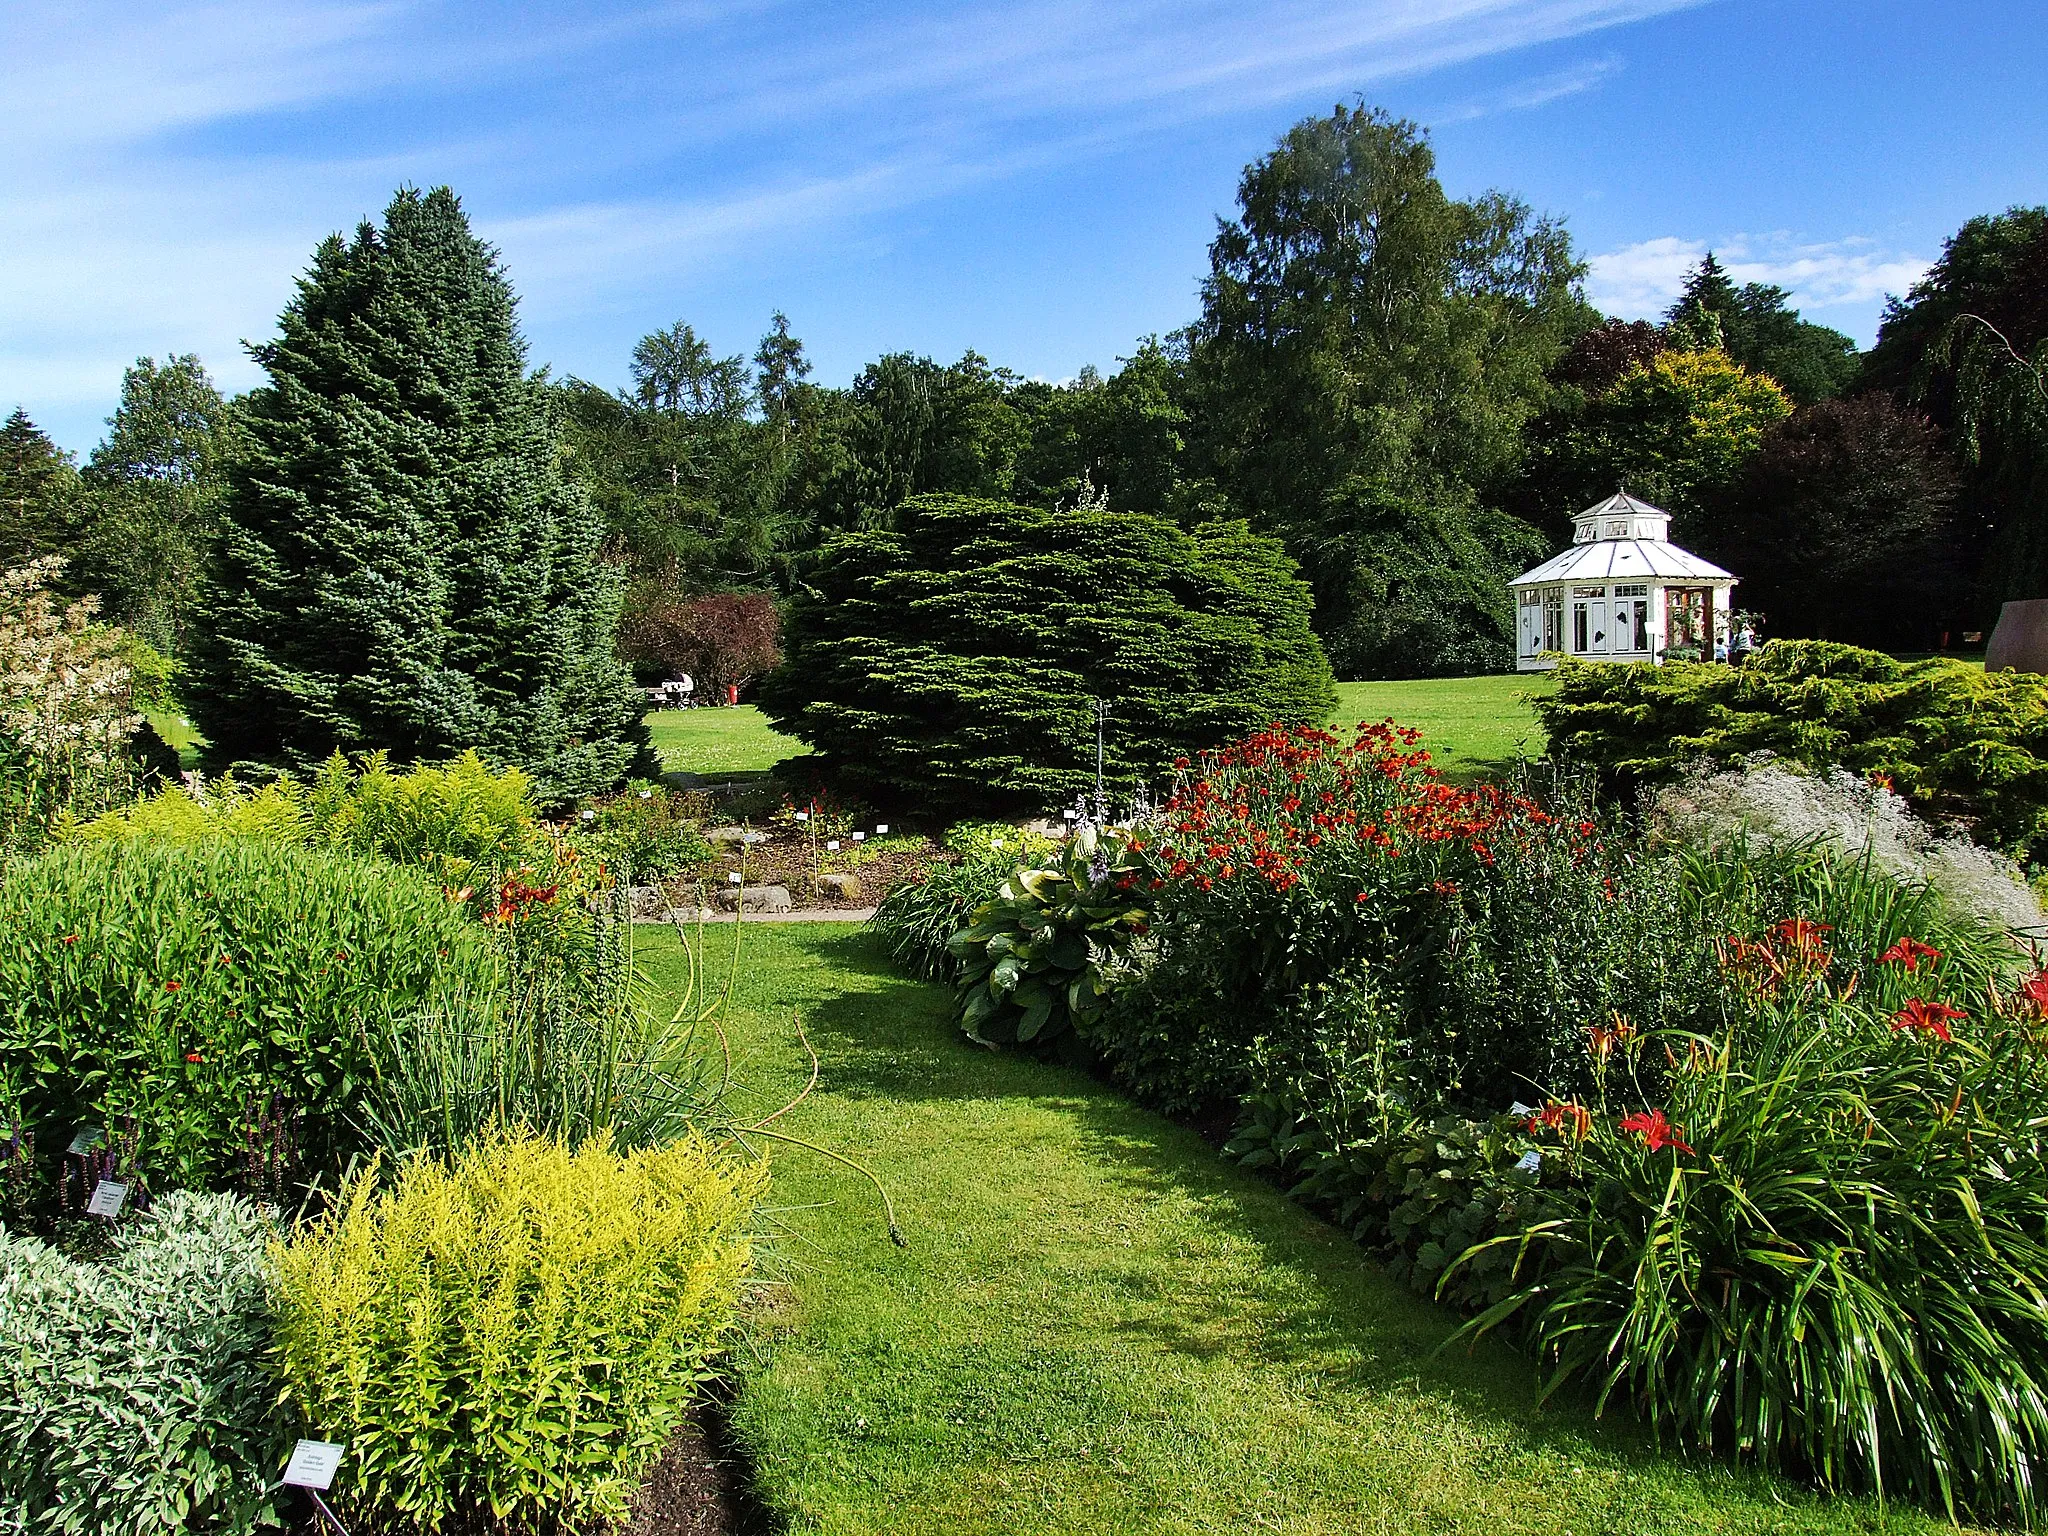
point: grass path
(1100, 1326)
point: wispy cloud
(1639, 281)
(172, 165)
(1537, 91)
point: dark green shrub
(1953, 739)
(221, 1006)
(953, 658)
(134, 1392)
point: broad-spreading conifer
(952, 660)
(402, 563)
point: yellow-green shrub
(513, 1337)
(466, 822)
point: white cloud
(172, 165)
(1538, 91)
(1639, 281)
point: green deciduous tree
(402, 564)
(1675, 431)
(1759, 328)
(1368, 353)
(1969, 345)
(156, 483)
(952, 658)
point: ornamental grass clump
(508, 1339)
(1813, 1237)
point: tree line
(1410, 390)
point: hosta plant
(1041, 957)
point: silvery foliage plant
(1761, 798)
(133, 1394)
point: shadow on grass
(1318, 1306)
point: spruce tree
(402, 563)
(38, 493)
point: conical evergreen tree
(402, 563)
(38, 492)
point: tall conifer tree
(402, 563)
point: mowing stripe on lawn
(1102, 1326)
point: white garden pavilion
(1622, 592)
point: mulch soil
(694, 1489)
(786, 861)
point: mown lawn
(1475, 725)
(1100, 1326)
(719, 741)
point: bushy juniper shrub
(952, 658)
(219, 1007)
(135, 1394)
(1951, 738)
(507, 1340)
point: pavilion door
(1590, 635)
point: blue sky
(1036, 179)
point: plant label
(735, 877)
(995, 842)
(803, 815)
(860, 837)
(881, 829)
(833, 846)
(313, 1464)
(107, 1199)
(85, 1141)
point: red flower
(1656, 1131)
(1925, 1018)
(1585, 829)
(1909, 953)
(2034, 990)
(173, 986)
(1802, 934)
(1363, 896)
(194, 1056)
(70, 939)
(1562, 1117)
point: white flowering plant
(67, 707)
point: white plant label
(735, 877)
(107, 1199)
(881, 829)
(85, 1141)
(833, 846)
(995, 842)
(803, 815)
(313, 1464)
(860, 837)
